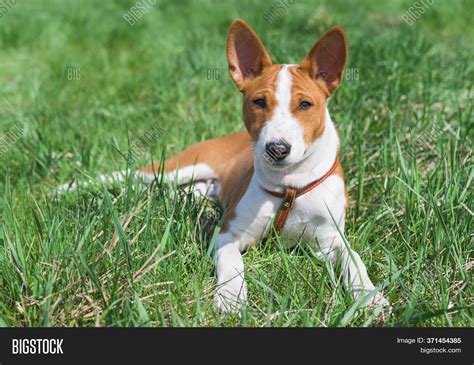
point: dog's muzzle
(278, 150)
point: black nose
(278, 151)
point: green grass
(133, 257)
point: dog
(282, 174)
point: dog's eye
(260, 103)
(304, 105)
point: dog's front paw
(377, 300)
(380, 306)
(229, 300)
(376, 304)
(370, 300)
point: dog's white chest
(313, 213)
(317, 212)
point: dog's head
(284, 105)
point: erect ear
(327, 59)
(245, 52)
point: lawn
(80, 87)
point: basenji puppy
(282, 174)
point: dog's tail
(201, 166)
(114, 177)
(196, 178)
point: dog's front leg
(355, 277)
(232, 291)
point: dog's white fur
(317, 218)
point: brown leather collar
(290, 195)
